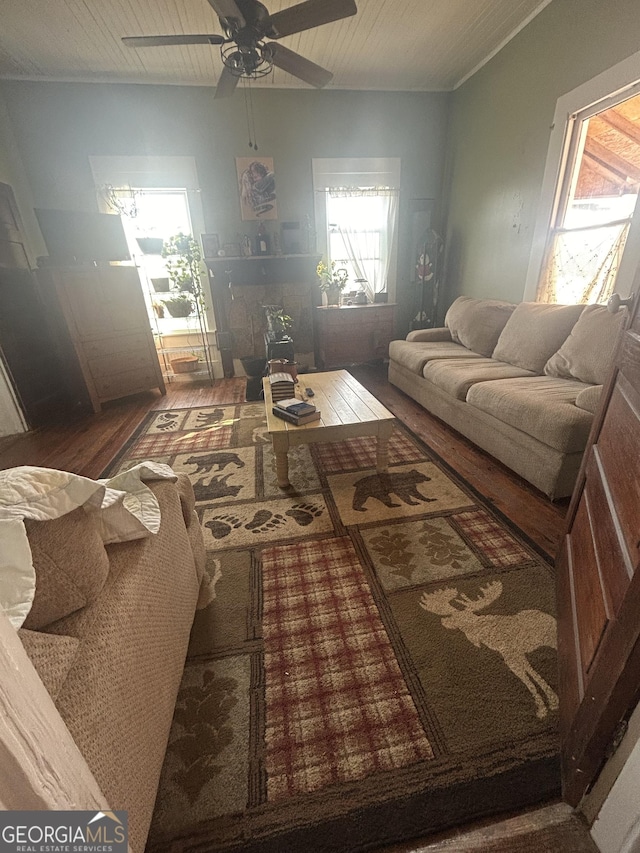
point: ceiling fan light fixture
(250, 61)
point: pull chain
(246, 109)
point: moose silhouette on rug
(403, 484)
(512, 636)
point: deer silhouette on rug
(512, 636)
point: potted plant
(332, 281)
(278, 323)
(182, 260)
(180, 305)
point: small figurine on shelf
(246, 246)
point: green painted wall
(59, 125)
(500, 133)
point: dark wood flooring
(87, 443)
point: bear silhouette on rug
(403, 484)
(206, 464)
(216, 488)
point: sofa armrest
(439, 334)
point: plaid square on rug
(376, 659)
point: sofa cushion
(52, 656)
(589, 399)
(477, 323)
(456, 376)
(414, 356)
(541, 406)
(70, 562)
(534, 332)
(587, 354)
(440, 333)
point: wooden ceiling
(406, 45)
(611, 160)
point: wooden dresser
(103, 336)
(352, 334)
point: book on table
(282, 386)
(296, 407)
(298, 420)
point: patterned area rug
(377, 660)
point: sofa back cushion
(477, 323)
(71, 565)
(534, 332)
(587, 354)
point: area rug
(377, 659)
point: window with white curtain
(361, 228)
(356, 219)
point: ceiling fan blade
(158, 41)
(227, 83)
(300, 67)
(312, 13)
(228, 9)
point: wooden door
(598, 578)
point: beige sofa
(520, 381)
(108, 634)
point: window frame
(613, 86)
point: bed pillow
(534, 332)
(587, 354)
(477, 323)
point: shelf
(223, 258)
(187, 348)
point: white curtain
(583, 263)
(366, 221)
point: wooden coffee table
(347, 410)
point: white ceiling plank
(398, 45)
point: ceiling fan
(244, 51)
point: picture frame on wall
(257, 188)
(210, 245)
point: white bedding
(127, 510)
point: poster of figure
(257, 187)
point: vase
(333, 297)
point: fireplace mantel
(241, 286)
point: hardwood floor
(87, 443)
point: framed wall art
(257, 188)
(210, 245)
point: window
(561, 243)
(361, 225)
(595, 206)
(356, 217)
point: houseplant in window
(182, 260)
(179, 305)
(332, 281)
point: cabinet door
(598, 579)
